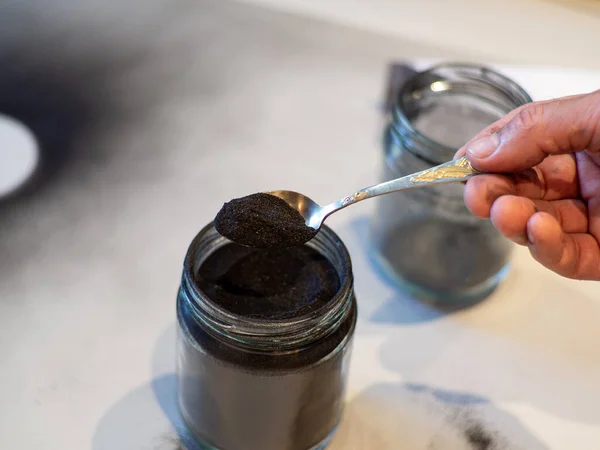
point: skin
(545, 188)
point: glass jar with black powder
(425, 238)
(264, 342)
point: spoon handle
(450, 172)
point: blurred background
(67, 64)
(125, 125)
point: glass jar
(247, 383)
(425, 238)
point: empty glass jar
(425, 238)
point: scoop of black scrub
(262, 221)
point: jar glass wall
(247, 383)
(425, 238)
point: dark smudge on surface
(479, 437)
(59, 103)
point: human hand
(545, 190)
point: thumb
(537, 130)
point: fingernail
(530, 237)
(529, 234)
(485, 146)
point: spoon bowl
(310, 210)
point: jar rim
(265, 334)
(476, 73)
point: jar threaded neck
(483, 87)
(263, 334)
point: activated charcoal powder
(268, 283)
(263, 221)
(264, 339)
(479, 438)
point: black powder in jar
(248, 394)
(268, 283)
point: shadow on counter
(148, 416)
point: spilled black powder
(262, 221)
(479, 438)
(268, 283)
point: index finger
(499, 124)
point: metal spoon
(314, 214)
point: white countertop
(220, 100)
